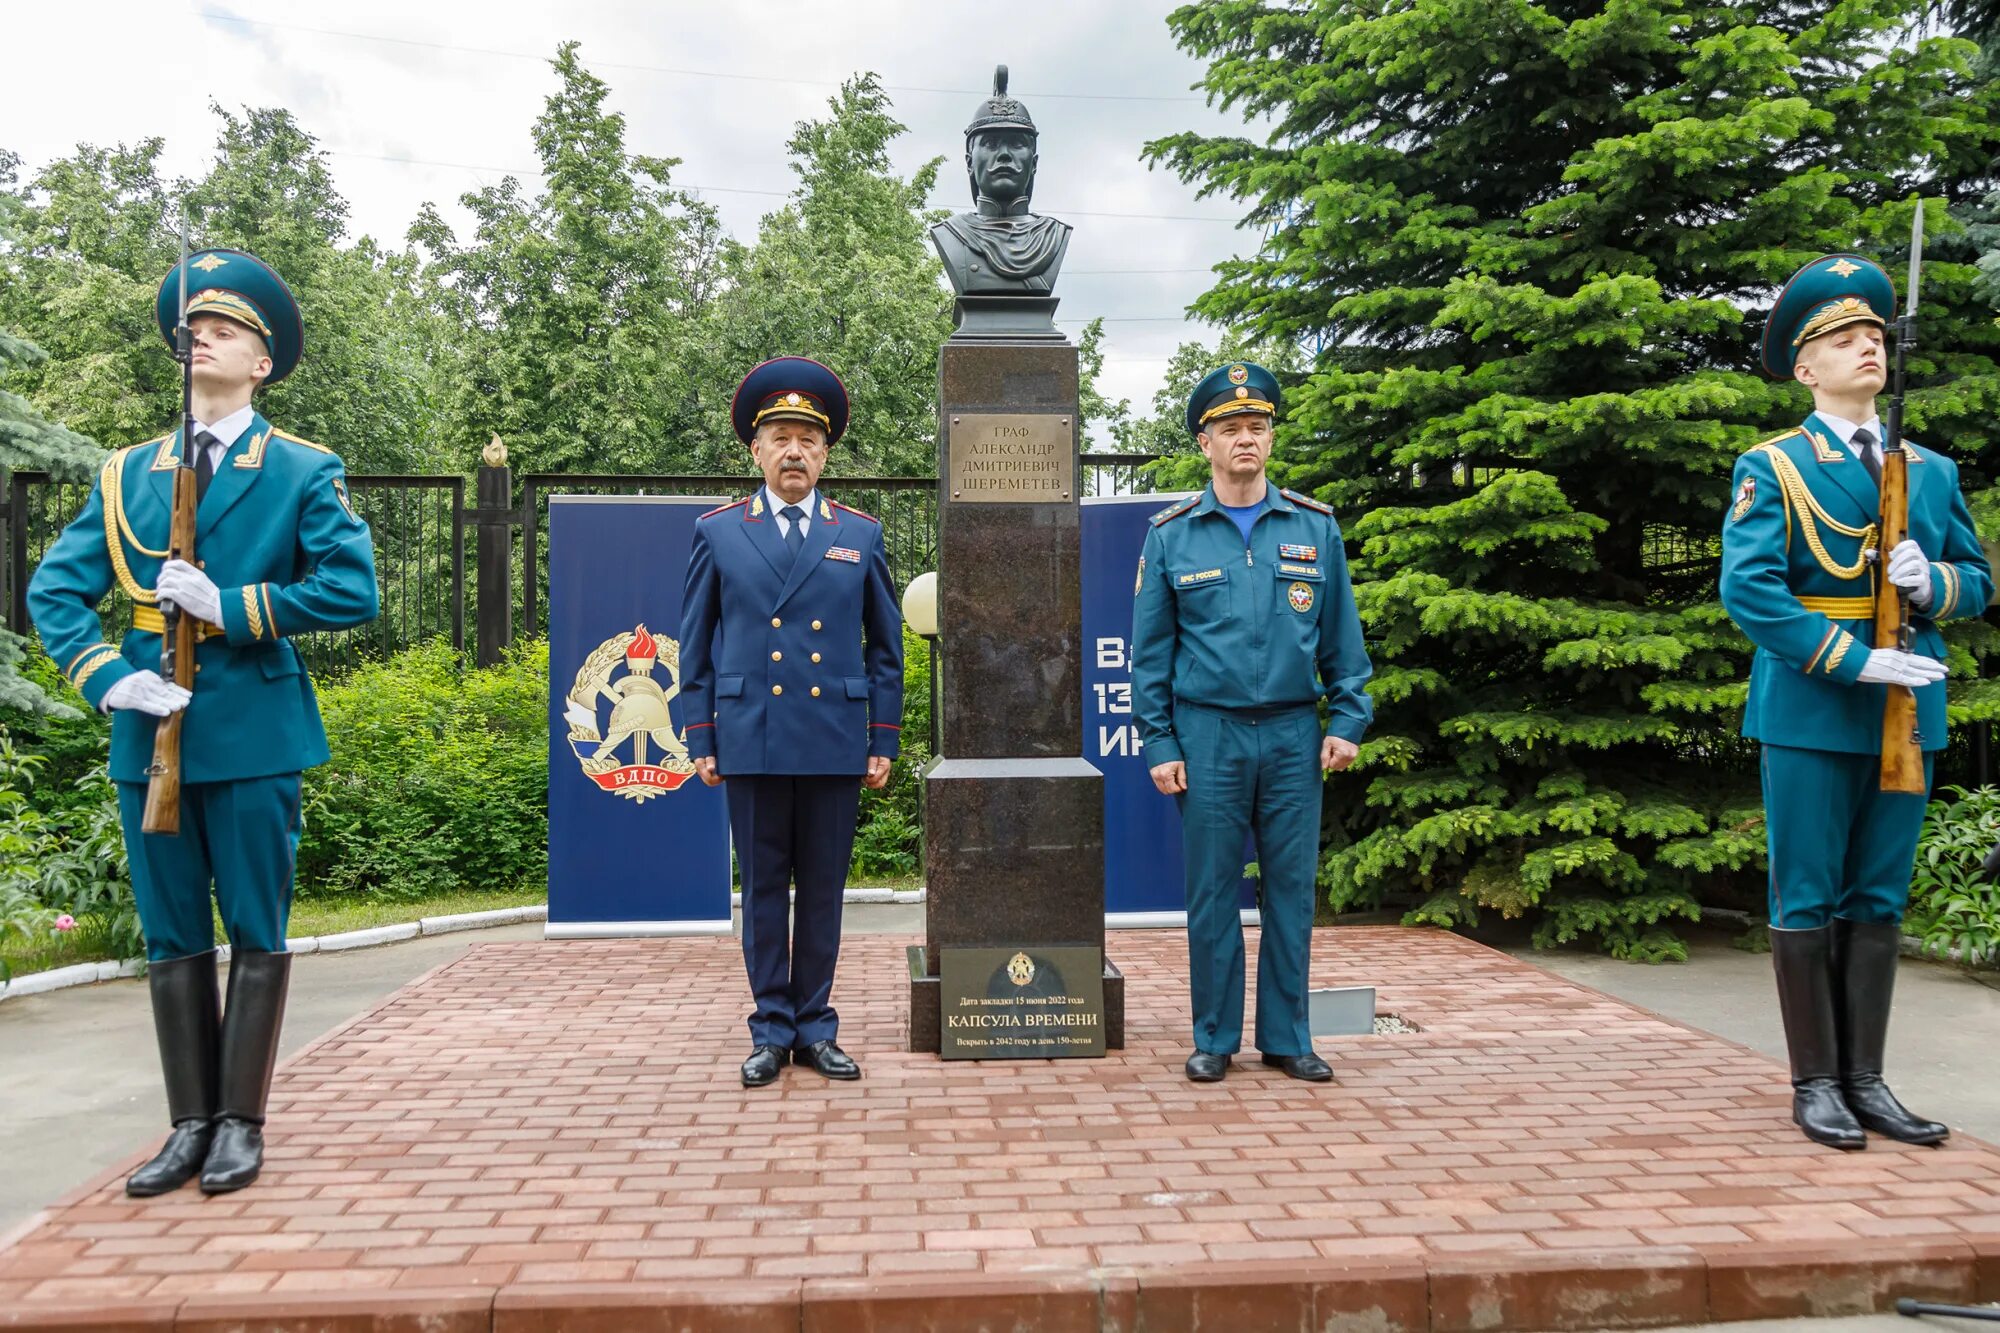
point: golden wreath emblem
(641, 717)
(1020, 969)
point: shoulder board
(1175, 511)
(850, 509)
(278, 434)
(1779, 438)
(723, 509)
(1305, 500)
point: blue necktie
(795, 535)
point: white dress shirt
(1846, 429)
(785, 524)
(226, 431)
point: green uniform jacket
(278, 536)
(1225, 625)
(1795, 582)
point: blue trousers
(242, 837)
(1839, 845)
(792, 830)
(1250, 777)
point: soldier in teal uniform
(1244, 621)
(279, 552)
(1799, 572)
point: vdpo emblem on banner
(638, 675)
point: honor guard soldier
(279, 552)
(792, 666)
(1799, 573)
(1244, 620)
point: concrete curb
(859, 896)
(85, 974)
(1912, 946)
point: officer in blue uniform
(279, 552)
(1799, 572)
(792, 664)
(1244, 620)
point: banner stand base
(619, 930)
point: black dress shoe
(763, 1065)
(1819, 1109)
(176, 1163)
(1308, 1067)
(1203, 1067)
(827, 1059)
(235, 1157)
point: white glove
(1892, 666)
(191, 590)
(1911, 571)
(146, 692)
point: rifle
(163, 776)
(1902, 745)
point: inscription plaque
(1032, 1003)
(1011, 458)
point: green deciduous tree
(1538, 238)
(844, 273)
(568, 322)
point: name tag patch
(1198, 576)
(1293, 551)
(1305, 571)
(843, 553)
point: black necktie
(1864, 440)
(204, 464)
(795, 535)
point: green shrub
(439, 777)
(1954, 904)
(65, 860)
(889, 842)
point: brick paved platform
(543, 1136)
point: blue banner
(637, 845)
(1143, 869)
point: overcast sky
(424, 101)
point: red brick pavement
(544, 1136)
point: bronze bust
(1001, 248)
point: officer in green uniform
(1799, 572)
(279, 552)
(1244, 620)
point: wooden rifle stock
(1902, 750)
(163, 777)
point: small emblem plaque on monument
(1011, 458)
(1039, 1002)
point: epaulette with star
(723, 509)
(850, 509)
(1305, 500)
(1175, 511)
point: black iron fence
(420, 526)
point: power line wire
(775, 194)
(215, 17)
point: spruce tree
(1539, 240)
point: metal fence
(420, 526)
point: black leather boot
(1802, 961)
(1864, 973)
(250, 1023)
(187, 1023)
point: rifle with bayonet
(163, 776)
(1902, 746)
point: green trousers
(1839, 845)
(1250, 777)
(242, 837)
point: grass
(326, 916)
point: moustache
(792, 465)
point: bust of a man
(1000, 248)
